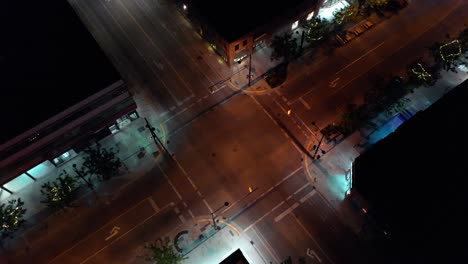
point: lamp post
(320, 142)
(90, 185)
(155, 137)
(213, 215)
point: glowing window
(310, 15)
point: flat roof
(234, 20)
(415, 178)
(48, 62)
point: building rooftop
(416, 182)
(48, 62)
(240, 17)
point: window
(310, 15)
(244, 43)
(236, 47)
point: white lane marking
(302, 188)
(157, 48)
(130, 230)
(356, 60)
(267, 246)
(304, 103)
(307, 196)
(263, 216)
(153, 204)
(115, 230)
(190, 213)
(105, 225)
(310, 236)
(207, 205)
(276, 123)
(170, 183)
(286, 212)
(182, 218)
(313, 255)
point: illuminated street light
(295, 25)
(184, 6)
(289, 112)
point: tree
(316, 28)
(100, 162)
(11, 217)
(284, 46)
(162, 252)
(59, 193)
(344, 15)
(376, 4)
(420, 73)
(447, 55)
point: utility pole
(155, 137)
(213, 215)
(316, 150)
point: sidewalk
(329, 173)
(135, 148)
(201, 243)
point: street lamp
(315, 156)
(226, 204)
(155, 137)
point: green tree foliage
(447, 55)
(316, 29)
(376, 4)
(59, 193)
(101, 162)
(284, 46)
(420, 73)
(11, 217)
(162, 252)
(344, 15)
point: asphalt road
(235, 144)
(383, 51)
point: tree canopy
(11, 217)
(284, 46)
(60, 193)
(162, 252)
(101, 162)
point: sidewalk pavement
(135, 148)
(201, 243)
(329, 173)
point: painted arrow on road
(313, 255)
(115, 230)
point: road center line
(356, 60)
(310, 236)
(261, 218)
(286, 212)
(153, 204)
(124, 234)
(307, 196)
(102, 227)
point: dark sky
(48, 62)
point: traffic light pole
(155, 137)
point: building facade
(238, 38)
(61, 137)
